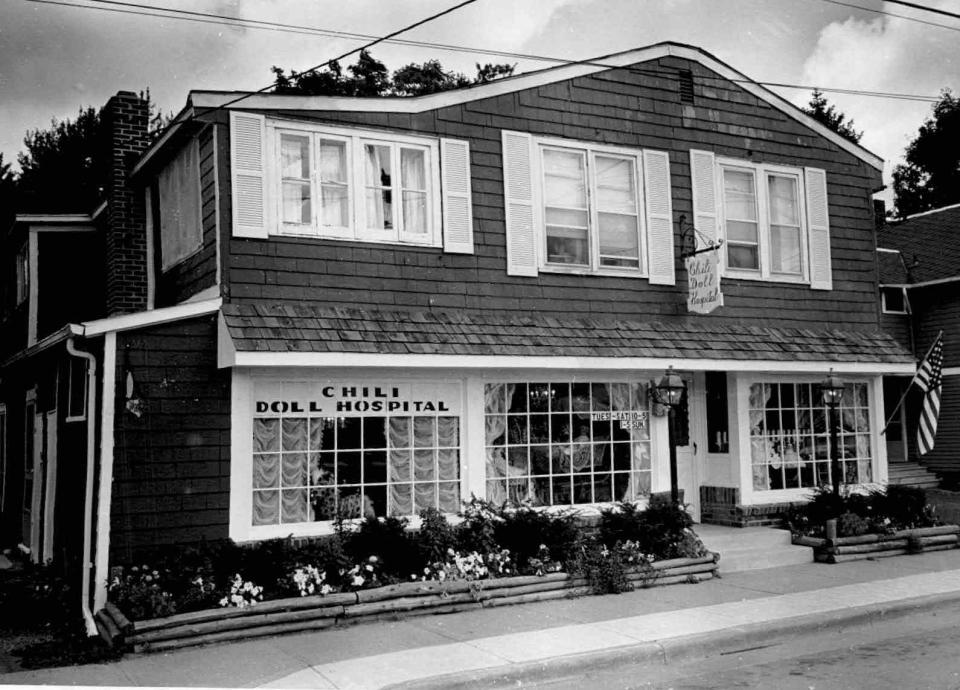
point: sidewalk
(479, 648)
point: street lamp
(831, 388)
(669, 392)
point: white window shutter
(457, 209)
(704, 197)
(656, 184)
(518, 200)
(818, 220)
(248, 180)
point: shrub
(478, 530)
(140, 591)
(850, 524)
(624, 522)
(604, 568)
(662, 529)
(524, 530)
(387, 539)
(436, 537)
(905, 506)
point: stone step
(738, 560)
(739, 538)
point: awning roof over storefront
(302, 329)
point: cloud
(890, 55)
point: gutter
(88, 487)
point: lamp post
(831, 388)
(669, 392)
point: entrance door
(50, 490)
(896, 440)
(690, 427)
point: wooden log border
(407, 598)
(866, 546)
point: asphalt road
(912, 652)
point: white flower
(358, 581)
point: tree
(369, 77)
(8, 183)
(62, 170)
(826, 114)
(930, 178)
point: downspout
(88, 493)
(105, 494)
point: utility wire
(226, 20)
(892, 14)
(925, 8)
(370, 44)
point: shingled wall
(633, 108)
(172, 462)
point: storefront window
(567, 443)
(353, 460)
(790, 437)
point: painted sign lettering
(703, 282)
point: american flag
(929, 379)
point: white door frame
(689, 456)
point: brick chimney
(125, 119)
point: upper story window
(310, 180)
(894, 300)
(178, 189)
(357, 185)
(585, 208)
(591, 209)
(22, 271)
(762, 221)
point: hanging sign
(703, 282)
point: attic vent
(686, 86)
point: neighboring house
(920, 296)
(372, 306)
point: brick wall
(125, 121)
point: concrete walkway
(482, 648)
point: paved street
(917, 651)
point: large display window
(565, 443)
(351, 450)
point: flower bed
(409, 598)
(892, 521)
(841, 549)
(378, 568)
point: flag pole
(907, 390)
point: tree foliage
(824, 112)
(61, 170)
(930, 178)
(370, 77)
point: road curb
(686, 648)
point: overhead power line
(226, 20)
(892, 14)
(925, 8)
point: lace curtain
(377, 174)
(759, 397)
(495, 409)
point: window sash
(791, 236)
(347, 184)
(604, 223)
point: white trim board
(474, 362)
(141, 319)
(206, 100)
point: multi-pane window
(308, 469)
(340, 183)
(790, 436)
(566, 443)
(762, 221)
(591, 209)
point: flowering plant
(242, 594)
(500, 563)
(362, 574)
(139, 593)
(541, 564)
(309, 579)
(457, 566)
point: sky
(59, 55)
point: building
(919, 261)
(317, 305)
